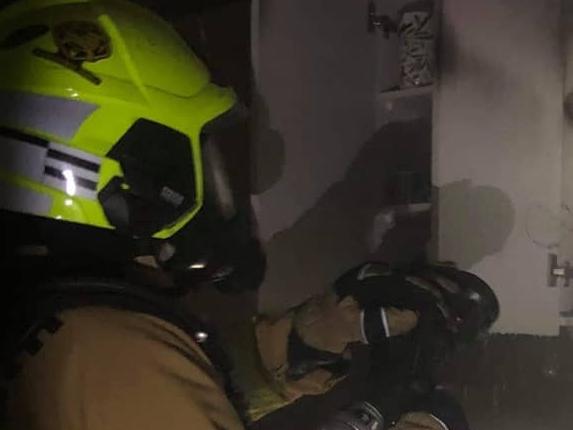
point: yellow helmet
(102, 109)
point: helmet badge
(77, 42)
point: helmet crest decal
(77, 42)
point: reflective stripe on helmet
(73, 171)
(68, 182)
(52, 115)
(67, 169)
(75, 156)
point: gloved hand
(305, 351)
(324, 326)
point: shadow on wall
(268, 149)
(333, 235)
(568, 108)
(476, 222)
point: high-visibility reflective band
(74, 156)
(68, 182)
(78, 171)
(73, 171)
(440, 422)
(374, 325)
(363, 274)
(362, 330)
(70, 170)
(52, 115)
(370, 270)
(17, 199)
(384, 318)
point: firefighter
(108, 128)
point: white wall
(566, 250)
(315, 70)
(497, 150)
